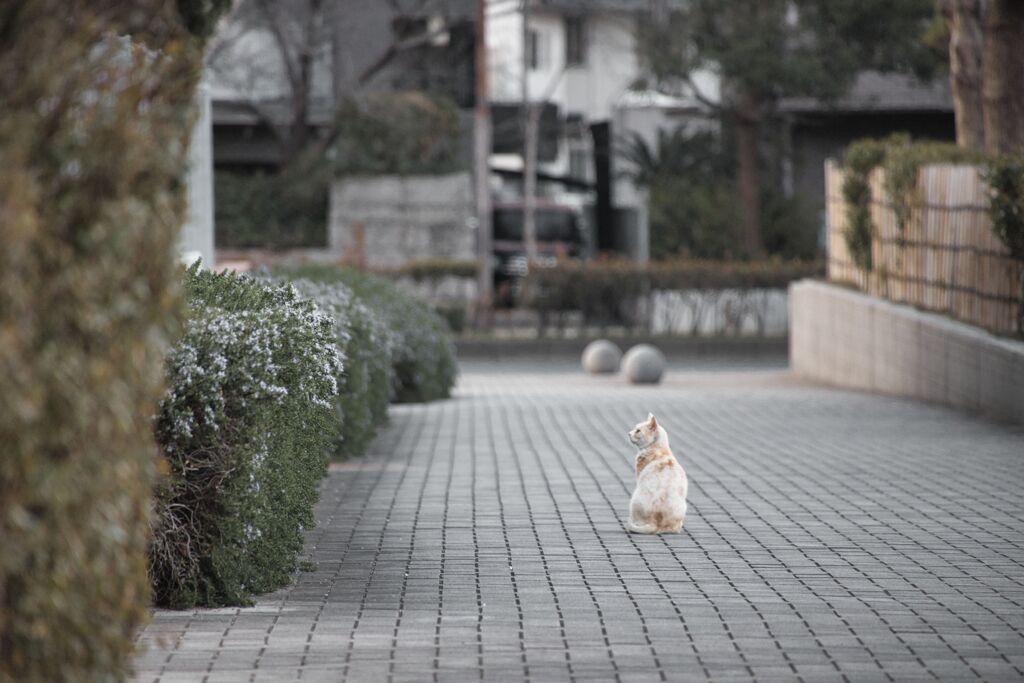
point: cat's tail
(631, 526)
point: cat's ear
(652, 422)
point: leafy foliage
(276, 211)
(400, 133)
(245, 428)
(384, 133)
(365, 341)
(693, 208)
(862, 157)
(901, 160)
(435, 269)
(421, 349)
(1005, 177)
(779, 48)
(764, 50)
(96, 100)
(610, 291)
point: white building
(583, 58)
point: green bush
(397, 133)
(435, 269)
(610, 292)
(692, 200)
(96, 102)
(862, 157)
(1005, 177)
(245, 427)
(273, 211)
(365, 387)
(421, 347)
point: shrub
(365, 387)
(1005, 177)
(93, 140)
(398, 133)
(422, 351)
(435, 269)
(862, 157)
(611, 292)
(274, 211)
(245, 428)
(692, 200)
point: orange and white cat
(658, 504)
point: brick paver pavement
(831, 536)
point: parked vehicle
(560, 235)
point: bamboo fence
(947, 260)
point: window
(579, 164)
(575, 41)
(534, 52)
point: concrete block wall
(386, 221)
(849, 339)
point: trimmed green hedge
(96, 102)
(271, 377)
(246, 427)
(420, 344)
(365, 388)
(285, 210)
(614, 291)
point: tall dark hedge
(95, 109)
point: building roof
(880, 92)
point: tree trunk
(1003, 89)
(748, 178)
(966, 47)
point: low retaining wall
(853, 340)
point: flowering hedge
(272, 377)
(421, 349)
(366, 342)
(246, 427)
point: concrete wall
(853, 340)
(390, 220)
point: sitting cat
(659, 502)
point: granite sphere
(601, 357)
(644, 364)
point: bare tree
(276, 53)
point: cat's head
(648, 433)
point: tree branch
(394, 49)
(701, 97)
(282, 42)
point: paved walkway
(831, 536)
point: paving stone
(831, 536)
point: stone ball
(644, 364)
(601, 357)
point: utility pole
(482, 170)
(530, 124)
